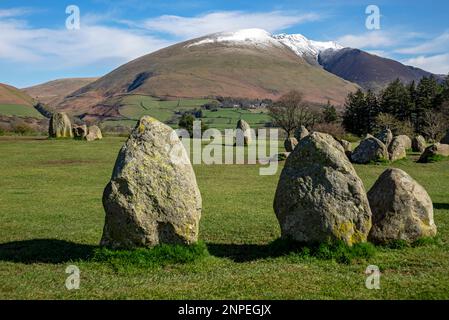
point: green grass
(136, 106)
(19, 110)
(51, 217)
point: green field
(19, 110)
(135, 106)
(51, 216)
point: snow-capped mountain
(303, 47)
(306, 48)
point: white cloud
(61, 48)
(438, 64)
(13, 12)
(189, 27)
(372, 39)
(439, 44)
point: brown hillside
(13, 96)
(216, 69)
(54, 92)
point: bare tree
(434, 125)
(290, 112)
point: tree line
(415, 108)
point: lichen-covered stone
(319, 196)
(153, 197)
(369, 150)
(94, 134)
(405, 141)
(301, 133)
(386, 136)
(79, 131)
(401, 207)
(243, 132)
(290, 144)
(419, 144)
(60, 126)
(437, 149)
(397, 149)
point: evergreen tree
(396, 100)
(354, 118)
(329, 113)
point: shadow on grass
(60, 251)
(45, 251)
(441, 206)
(281, 247)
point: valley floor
(51, 216)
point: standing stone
(243, 132)
(402, 209)
(94, 134)
(153, 197)
(437, 149)
(301, 133)
(319, 196)
(397, 150)
(418, 144)
(445, 140)
(405, 140)
(346, 146)
(79, 131)
(386, 136)
(60, 126)
(369, 150)
(290, 144)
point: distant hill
(53, 92)
(248, 63)
(367, 70)
(14, 102)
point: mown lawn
(51, 216)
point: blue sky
(35, 45)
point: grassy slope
(52, 190)
(19, 110)
(14, 102)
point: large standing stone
(290, 144)
(301, 133)
(402, 209)
(243, 132)
(419, 144)
(60, 126)
(405, 140)
(445, 140)
(79, 131)
(319, 196)
(153, 197)
(369, 150)
(94, 134)
(437, 149)
(386, 136)
(397, 150)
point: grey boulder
(319, 197)
(153, 197)
(401, 207)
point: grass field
(51, 216)
(19, 110)
(136, 106)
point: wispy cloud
(372, 39)
(188, 27)
(438, 64)
(440, 44)
(61, 48)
